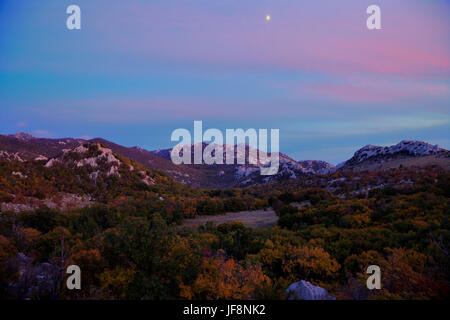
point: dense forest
(129, 242)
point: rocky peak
(317, 166)
(23, 136)
(411, 148)
(89, 154)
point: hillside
(24, 147)
(78, 177)
(407, 153)
(244, 175)
(130, 245)
(137, 232)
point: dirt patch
(251, 219)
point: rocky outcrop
(39, 281)
(60, 200)
(383, 154)
(10, 156)
(304, 290)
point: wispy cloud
(22, 124)
(380, 90)
(361, 125)
(314, 71)
(42, 133)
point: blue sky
(137, 70)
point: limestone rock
(304, 290)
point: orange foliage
(222, 278)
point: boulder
(304, 290)
(39, 281)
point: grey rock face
(304, 290)
(35, 281)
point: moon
(268, 17)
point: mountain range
(25, 147)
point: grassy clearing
(251, 219)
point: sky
(139, 69)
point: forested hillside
(128, 241)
